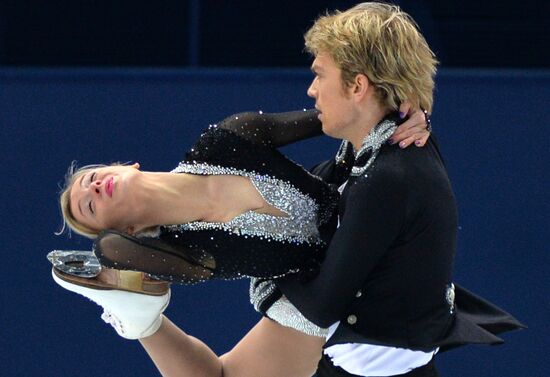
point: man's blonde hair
(383, 43)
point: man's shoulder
(406, 163)
(414, 172)
(391, 164)
(396, 156)
(395, 170)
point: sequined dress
(252, 244)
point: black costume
(387, 272)
(252, 244)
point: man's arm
(268, 350)
(375, 213)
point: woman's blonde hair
(383, 43)
(73, 174)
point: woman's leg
(268, 350)
(272, 350)
(177, 354)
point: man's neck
(368, 119)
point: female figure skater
(235, 207)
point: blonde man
(385, 287)
(398, 216)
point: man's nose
(311, 91)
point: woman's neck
(170, 198)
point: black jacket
(387, 273)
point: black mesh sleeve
(155, 257)
(275, 129)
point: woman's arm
(268, 350)
(280, 129)
(414, 130)
(275, 129)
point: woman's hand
(414, 130)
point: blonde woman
(235, 207)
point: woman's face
(104, 198)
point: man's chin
(327, 130)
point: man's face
(332, 98)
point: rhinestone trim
(258, 292)
(342, 151)
(282, 311)
(378, 136)
(286, 314)
(300, 225)
(450, 297)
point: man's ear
(361, 85)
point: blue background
(492, 125)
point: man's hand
(413, 130)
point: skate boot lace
(109, 318)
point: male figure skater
(385, 287)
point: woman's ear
(135, 165)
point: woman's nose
(95, 187)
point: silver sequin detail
(299, 226)
(450, 297)
(259, 291)
(286, 314)
(377, 137)
(342, 151)
(282, 311)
